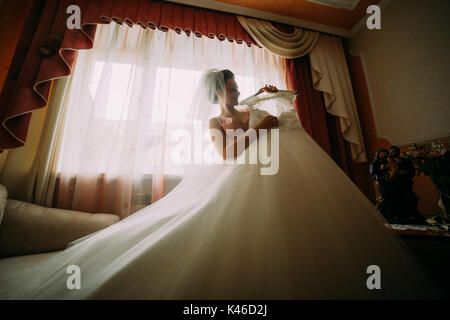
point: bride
(227, 231)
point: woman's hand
(268, 122)
(267, 88)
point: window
(132, 89)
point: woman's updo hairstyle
(215, 81)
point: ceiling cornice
(346, 4)
(254, 13)
(259, 14)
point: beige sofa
(30, 233)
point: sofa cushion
(3, 197)
(29, 228)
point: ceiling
(310, 11)
(305, 13)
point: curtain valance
(52, 51)
(287, 45)
(330, 75)
(328, 68)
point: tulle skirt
(228, 232)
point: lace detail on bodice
(279, 104)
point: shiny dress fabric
(228, 232)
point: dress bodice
(279, 104)
(287, 120)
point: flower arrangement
(433, 160)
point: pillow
(3, 197)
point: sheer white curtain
(127, 96)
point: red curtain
(323, 127)
(320, 125)
(52, 50)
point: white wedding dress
(228, 232)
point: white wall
(407, 68)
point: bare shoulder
(214, 123)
